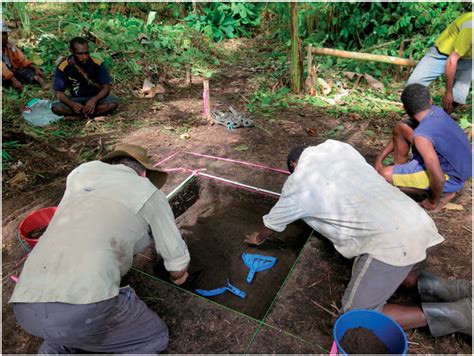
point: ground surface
(295, 322)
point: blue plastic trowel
(231, 288)
(257, 263)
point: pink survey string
(166, 159)
(239, 162)
(257, 165)
(198, 171)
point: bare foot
(445, 199)
(73, 118)
(99, 118)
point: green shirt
(457, 37)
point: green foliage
(221, 20)
(335, 131)
(6, 156)
(405, 29)
(266, 102)
(129, 46)
(17, 11)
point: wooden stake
(364, 56)
(207, 101)
(189, 80)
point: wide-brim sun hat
(157, 177)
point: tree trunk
(296, 55)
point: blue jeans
(433, 64)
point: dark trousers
(24, 75)
(123, 324)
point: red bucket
(35, 221)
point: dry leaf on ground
(18, 179)
(451, 206)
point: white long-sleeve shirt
(108, 213)
(335, 191)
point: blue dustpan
(230, 287)
(257, 263)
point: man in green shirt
(450, 55)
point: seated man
(441, 151)
(450, 55)
(69, 290)
(16, 69)
(335, 191)
(88, 81)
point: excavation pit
(214, 219)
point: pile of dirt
(362, 341)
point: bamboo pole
(364, 56)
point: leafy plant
(221, 20)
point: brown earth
(294, 323)
(362, 341)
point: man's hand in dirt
(17, 84)
(428, 204)
(180, 280)
(89, 108)
(448, 100)
(254, 239)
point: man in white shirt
(336, 192)
(69, 290)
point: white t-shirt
(336, 192)
(108, 213)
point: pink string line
(240, 187)
(257, 165)
(166, 159)
(14, 279)
(197, 171)
(239, 162)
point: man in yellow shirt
(450, 55)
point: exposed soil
(294, 322)
(362, 341)
(214, 228)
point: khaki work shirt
(336, 192)
(108, 213)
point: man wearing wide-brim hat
(16, 68)
(69, 290)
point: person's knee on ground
(64, 110)
(448, 318)
(106, 108)
(387, 172)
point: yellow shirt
(107, 214)
(457, 37)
